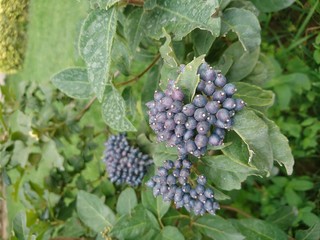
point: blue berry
(209, 89)
(189, 109)
(220, 81)
(219, 96)
(188, 135)
(229, 89)
(229, 103)
(201, 141)
(158, 95)
(223, 115)
(202, 180)
(201, 86)
(215, 140)
(239, 104)
(199, 101)
(203, 127)
(176, 106)
(191, 123)
(177, 94)
(180, 118)
(200, 114)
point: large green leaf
(284, 217)
(134, 225)
(243, 62)
(226, 173)
(258, 229)
(245, 24)
(103, 4)
(313, 233)
(133, 28)
(95, 46)
(170, 233)
(202, 41)
(93, 212)
(114, 110)
(272, 5)
(180, 17)
(189, 78)
(127, 201)
(162, 152)
(217, 228)
(255, 133)
(73, 82)
(20, 228)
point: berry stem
(136, 78)
(236, 210)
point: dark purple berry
(220, 81)
(220, 132)
(169, 125)
(166, 101)
(201, 86)
(229, 103)
(191, 123)
(158, 95)
(191, 146)
(189, 109)
(186, 163)
(201, 141)
(176, 106)
(208, 193)
(161, 117)
(229, 89)
(209, 89)
(180, 130)
(215, 140)
(209, 75)
(180, 118)
(188, 135)
(168, 164)
(219, 96)
(223, 115)
(211, 119)
(203, 127)
(200, 114)
(239, 104)
(202, 180)
(177, 94)
(199, 101)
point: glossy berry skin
(199, 101)
(223, 115)
(208, 75)
(239, 104)
(180, 118)
(215, 140)
(229, 103)
(220, 80)
(209, 89)
(189, 109)
(219, 96)
(191, 123)
(201, 141)
(200, 114)
(203, 127)
(229, 89)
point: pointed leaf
(245, 24)
(73, 82)
(93, 212)
(217, 228)
(180, 17)
(95, 45)
(313, 233)
(127, 201)
(284, 217)
(20, 228)
(202, 41)
(170, 233)
(114, 110)
(134, 28)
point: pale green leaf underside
(245, 24)
(73, 82)
(113, 111)
(95, 45)
(180, 17)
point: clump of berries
(124, 163)
(192, 126)
(172, 183)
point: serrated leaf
(243, 62)
(313, 233)
(170, 233)
(20, 228)
(180, 17)
(114, 110)
(254, 96)
(272, 5)
(167, 52)
(95, 46)
(133, 28)
(284, 217)
(281, 150)
(127, 201)
(258, 229)
(217, 228)
(226, 173)
(202, 41)
(188, 79)
(73, 82)
(245, 24)
(134, 225)
(93, 212)
(255, 133)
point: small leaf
(167, 52)
(301, 185)
(162, 152)
(245, 24)
(188, 79)
(127, 201)
(258, 229)
(114, 110)
(20, 154)
(313, 233)
(217, 228)
(20, 228)
(284, 217)
(20, 123)
(52, 156)
(93, 212)
(95, 46)
(272, 5)
(73, 82)
(180, 17)
(202, 41)
(170, 233)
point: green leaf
(254, 96)
(162, 152)
(170, 233)
(258, 229)
(243, 62)
(255, 133)
(73, 82)
(301, 185)
(93, 213)
(226, 173)
(180, 17)
(52, 156)
(281, 150)
(202, 41)
(114, 111)
(134, 225)
(95, 46)
(104, 4)
(313, 233)
(20, 123)
(20, 154)
(134, 29)
(155, 205)
(284, 217)
(20, 228)
(272, 5)
(167, 52)
(188, 79)
(245, 24)
(217, 228)
(127, 201)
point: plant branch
(85, 109)
(236, 210)
(136, 78)
(3, 211)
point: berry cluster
(191, 127)
(171, 182)
(125, 164)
